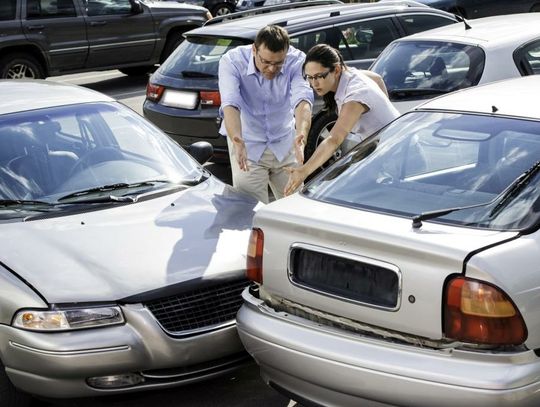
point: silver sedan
(121, 258)
(407, 273)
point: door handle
(97, 23)
(35, 27)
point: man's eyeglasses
(318, 76)
(263, 61)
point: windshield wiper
(197, 74)
(111, 187)
(11, 202)
(503, 198)
(515, 187)
(123, 185)
(405, 93)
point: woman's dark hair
(274, 37)
(328, 57)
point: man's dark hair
(274, 37)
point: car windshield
(431, 161)
(412, 69)
(198, 57)
(48, 154)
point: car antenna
(462, 19)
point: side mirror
(202, 151)
(136, 7)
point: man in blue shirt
(266, 107)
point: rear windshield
(434, 161)
(199, 56)
(416, 68)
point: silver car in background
(408, 273)
(121, 258)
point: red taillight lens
(255, 256)
(154, 92)
(478, 312)
(210, 98)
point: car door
(59, 29)
(117, 34)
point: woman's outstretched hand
(297, 175)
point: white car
(408, 273)
(121, 257)
(460, 55)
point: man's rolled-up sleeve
(300, 89)
(229, 84)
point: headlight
(68, 319)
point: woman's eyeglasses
(311, 78)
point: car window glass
(531, 54)
(429, 65)
(198, 56)
(48, 153)
(330, 36)
(7, 10)
(107, 7)
(414, 23)
(366, 39)
(49, 9)
(432, 161)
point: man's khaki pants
(267, 172)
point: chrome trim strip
(198, 331)
(69, 352)
(116, 44)
(349, 256)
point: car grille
(201, 309)
(346, 276)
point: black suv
(182, 95)
(41, 38)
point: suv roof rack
(269, 9)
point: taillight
(210, 98)
(255, 256)
(154, 92)
(478, 312)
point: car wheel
(9, 395)
(20, 66)
(320, 129)
(136, 70)
(174, 40)
(222, 9)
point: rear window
(435, 161)
(199, 57)
(413, 68)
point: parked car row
(409, 264)
(182, 95)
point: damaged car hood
(121, 251)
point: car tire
(136, 70)
(222, 9)
(174, 40)
(320, 129)
(20, 66)
(9, 395)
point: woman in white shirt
(361, 100)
